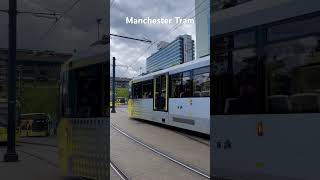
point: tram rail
(118, 171)
(159, 152)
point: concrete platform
(35, 163)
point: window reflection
(244, 39)
(137, 91)
(294, 29)
(293, 72)
(235, 83)
(176, 85)
(82, 98)
(201, 82)
(201, 85)
(238, 40)
(147, 89)
(186, 85)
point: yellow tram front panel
(64, 144)
(3, 134)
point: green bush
(40, 100)
(121, 92)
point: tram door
(160, 98)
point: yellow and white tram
(83, 130)
(266, 91)
(177, 96)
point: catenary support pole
(114, 86)
(11, 155)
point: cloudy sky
(131, 53)
(76, 30)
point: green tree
(121, 92)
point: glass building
(177, 52)
(202, 20)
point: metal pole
(11, 155)
(114, 86)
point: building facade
(33, 66)
(169, 54)
(121, 82)
(202, 21)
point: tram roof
(197, 63)
(260, 12)
(93, 55)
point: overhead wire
(54, 24)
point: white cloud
(127, 51)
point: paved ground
(139, 163)
(41, 162)
(36, 162)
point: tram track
(118, 171)
(114, 167)
(38, 144)
(40, 158)
(53, 148)
(35, 152)
(193, 138)
(160, 153)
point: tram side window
(137, 91)
(160, 93)
(201, 82)
(163, 85)
(238, 40)
(88, 96)
(235, 82)
(181, 85)
(130, 91)
(244, 39)
(294, 29)
(83, 93)
(186, 85)
(64, 94)
(222, 43)
(176, 87)
(147, 89)
(293, 76)
(68, 93)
